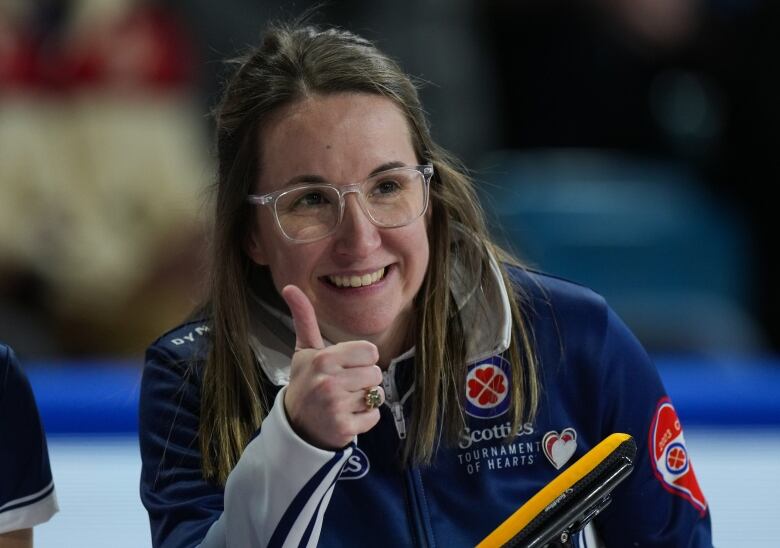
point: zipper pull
(387, 384)
(398, 415)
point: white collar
(484, 310)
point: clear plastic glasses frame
(327, 223)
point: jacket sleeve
(278, 492)
(275, 496)
(181, 504)
(27, 496)
(660, 504)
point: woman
(369, 367)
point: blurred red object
(147, 49)
(17, 57)
(143, 49)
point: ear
(253, 246)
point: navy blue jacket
(596, 379)
(27, 496)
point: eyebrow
(308, 178)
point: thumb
(307, 332)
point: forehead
(338, 137)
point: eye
(386, 187)
(310, 199)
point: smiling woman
(338, 138)
(361, 324)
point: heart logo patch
(559, 448)
(488, 387)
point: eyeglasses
(390, 199)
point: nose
(356, 236)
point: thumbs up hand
(326, 398)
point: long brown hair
(291, 63)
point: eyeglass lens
(390, 199)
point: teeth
(357, 281)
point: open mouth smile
(357, 281)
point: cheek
(260, 241)
(425, 252)
(283, 266)
(417, 246)
(285, 269)
(294, 263)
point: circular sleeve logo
(676, 458)
(356, 467)
(487, 388)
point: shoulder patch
(669, 456)
(488, 388)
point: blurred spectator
(686, 80)
(102, 170)
(440, 44)
(102, 154)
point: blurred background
(630, 145)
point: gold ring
(373, 398)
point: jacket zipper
(417, 510)
(393, 401)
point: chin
(366, 326)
